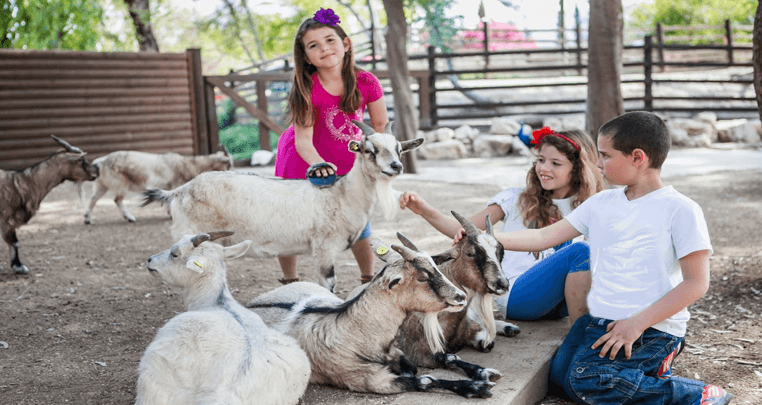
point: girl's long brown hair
(300, 97)
(536, 204)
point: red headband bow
(546, 131)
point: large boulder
(740, 130)
(504, 126)
(493, 145)
(466, 134)
(450, 149)
(691, 132)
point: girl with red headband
(563, 176)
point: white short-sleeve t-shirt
(516, 263)
(635, 247)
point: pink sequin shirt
(332, 131)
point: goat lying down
(473, 265)
(351, 344)
(291, 217)
(217, 352)
(22, 191)
(125, 172)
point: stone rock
(706, 116)
(518, 147)
(573, 121)
(445, 134)
(683, 129)
(466, 134)
(263, 157)
(504, 126)
(555, 123)
(740, 130)
(450, 149)
(493, 145)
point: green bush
(242, 140)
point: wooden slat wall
(99, 102)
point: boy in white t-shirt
(649, 253)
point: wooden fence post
(486, 44)
(729, 38)
(211, 117)
(198, 101)
(660, 42)
(647, 81)
(578, 31)
(264, 132)
(432, 87)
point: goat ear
(354, 146)
(395, 281)
(231, 252)
(388, 129)
(407, 146)
(383, 252)
(196, 264)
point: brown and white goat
(350, 344)
(473, 264)
(22, 191)
(125, 172)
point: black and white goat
(22, 191)
(473, 264)
(351, 344)
(125, 172)
(291, 217)
(218, 352)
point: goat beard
(433, 332)
(387, 199)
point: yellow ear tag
(382, 250)
(354, 147)
(198, 263)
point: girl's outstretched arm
(305, 148)
(446, 224)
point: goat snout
(500, 287)
(149, 265)
(458, 300)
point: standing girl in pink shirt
(328, 92)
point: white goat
(217, 352)
(351, 344)
(126, 172)
(22, 191)
(290, 217)
(473, 264)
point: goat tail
(156, 194)
(433, 332)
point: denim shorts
(644, 378)
(365, 232)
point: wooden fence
(101, 102)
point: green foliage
(242, 140)
(694, 12)
(441, 29)
(49, 24)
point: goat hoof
(490, 374)
(22, 271)
(486, 348)
(511, 331)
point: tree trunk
(405, 114)
(756, 59)
(605, 43)
(237, 31)
(253, 28)
(140, 11)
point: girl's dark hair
(536, 204)
(300, 97)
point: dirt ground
(77, 326)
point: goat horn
(405, 252)
(224, 149)
(488, 226)
(471, 229)
(66, 145)
(388, 128)
(405, 241)
(219, 234)
(365, 128)
(200, 238)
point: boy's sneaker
(714, 395)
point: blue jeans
(539, 292)
(643, 379)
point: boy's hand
(620, 334)
(413, 201)
(458, 236)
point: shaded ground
(78, 324)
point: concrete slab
(523, 360)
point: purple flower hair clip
(326, 16)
